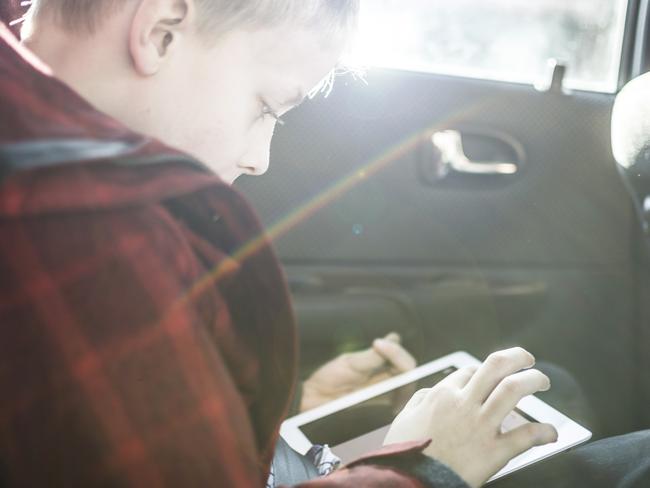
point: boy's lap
(615, 462)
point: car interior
(476, 178)
(470, 208)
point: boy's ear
(156, 30)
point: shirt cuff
(409, 459)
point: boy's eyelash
(266, 110)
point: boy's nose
(255, 167)
(256, 160)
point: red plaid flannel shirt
(146, 334)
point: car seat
(631, 148)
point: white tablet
(357, 423)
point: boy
(147, 337)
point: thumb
(394, 354)
(367, 361)
(382, 353)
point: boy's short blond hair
(333, 17)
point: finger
(497, 366)
(370, 360)
(511, 390)
(458, 379)
(394, 354)
(366, 362)
(523, 438)
(393, 337)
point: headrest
(631, 126)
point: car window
(509, 40)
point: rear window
(508, 40)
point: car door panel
(540, 258)
(558, 314)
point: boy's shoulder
(45, 176)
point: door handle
(449, 143)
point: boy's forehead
(297, 55)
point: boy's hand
(352, 371)
(463, 415)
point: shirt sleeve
(402, 465)
(111, 375)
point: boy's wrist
(428, 471)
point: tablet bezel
(570, 433)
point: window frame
(633, 48)
(636, 49)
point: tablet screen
(360, 428)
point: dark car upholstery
(631, 146)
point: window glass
(509, 40)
